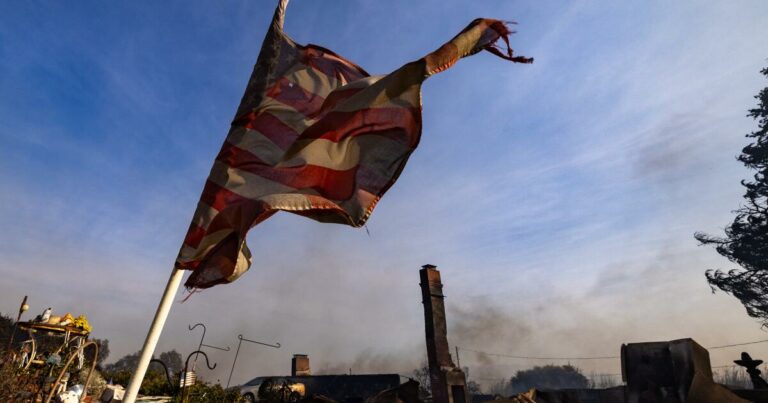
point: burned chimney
(300, 365)
(449, 384)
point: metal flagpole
(153, 335)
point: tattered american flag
(314, 135)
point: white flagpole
(153, 335)
(269, 55)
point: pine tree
(746, 239)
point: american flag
(314, 135)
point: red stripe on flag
(330, 183)
(336, 126)
(194, 235)
(236, 157)
(236, 212)
(334, 98)
(241, 217)
(291, 94)
(271, 127)
(331, 64)
(219, 197)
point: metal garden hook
(241, 339)
(186, 364)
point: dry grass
(15, 385)
(733, 376)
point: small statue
(45, 316)
(754, 374)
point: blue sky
(558, 199)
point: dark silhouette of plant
(173, 360)
(421, 375)
(155, 382)
(128, 363)
(746, 239)
(203, 392)
(6, 328)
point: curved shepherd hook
(217, 348)
(69, 362)
(167, 373)
(186, 364)
(201, 345)
(201, 338)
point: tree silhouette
(6, 328)
(173, 360)
(128, 363)
(746, 239)
(421, 375)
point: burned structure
(300, 365)
(301, 385)
(677, 371)
(664, 372)
(448, 382)
(674, 371)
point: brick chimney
(300, 365)
(448, 382)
